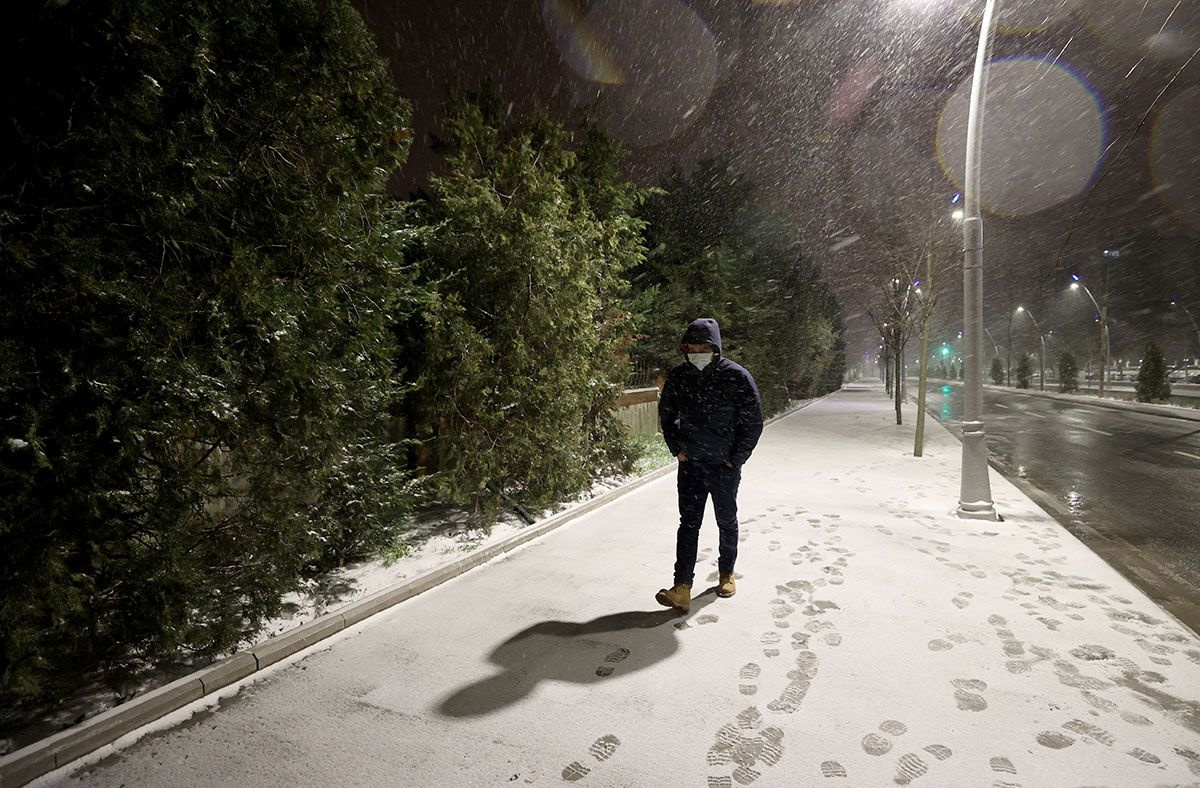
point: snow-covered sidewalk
(875, 639)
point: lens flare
(1175, 156)
(1044, 134)
(579, 43)
(649, 66)
(851, 92)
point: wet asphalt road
(1127, 484)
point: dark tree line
(197, 280)
(230, 362)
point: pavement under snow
(875, 639)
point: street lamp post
(1008, 353)
(975, 492)
(992, 339)
(1195, 327)
(1042, 361)
(1103, 312)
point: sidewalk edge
(56, 751)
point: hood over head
(703, 331)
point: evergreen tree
(997, 371)
(1152, 382)
(1068, 372)
(617, 246)
(1024, 371)
(711, 254)
(523, 247)
(195, 293)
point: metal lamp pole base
(975, 495)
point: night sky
(833, 110)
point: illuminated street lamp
(975, 491)
(1042, 363)
(1103, 312)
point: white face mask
(700, 360)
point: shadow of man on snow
(579, 652)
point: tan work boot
(678, 597)
(726, 588)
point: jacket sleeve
(749, 422)
(668, 413)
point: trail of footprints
(745, 744)
(1044, 593)
(1151, 634)
(800, 623)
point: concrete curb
(1170, 411)
(32, 761)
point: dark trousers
(696, 483)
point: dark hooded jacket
(712, 415)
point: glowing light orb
(1043, 139)
(649, 66)
(1175, 156)
(1158, 29)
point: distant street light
(957, 215)
(1042, 363)
(1188, 312)
(1103, 312)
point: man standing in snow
(711, 419)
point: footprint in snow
(611, 662)
(602, 749)
(966, 695)
(749, 672)
(832, 769)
